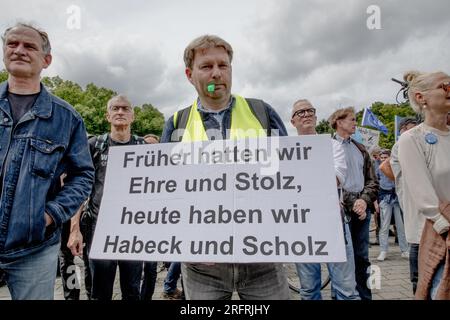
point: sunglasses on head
(445, 86)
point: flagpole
(364, 116)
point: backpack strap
(180, 119)
(261, 113)
(101, 143)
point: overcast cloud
(284, 49)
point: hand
(359, 207)
(48, 219)
(444, 208)
(75, 243)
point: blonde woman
(424, 154)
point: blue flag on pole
(369, 119)
(397, 126)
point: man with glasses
(120, 115)
(360, 191)
(342, 274)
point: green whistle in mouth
(211, 87)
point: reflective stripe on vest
(244, 124)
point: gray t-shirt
(21, 104)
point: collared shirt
(340, 165)
(218, 115)
(354, 181)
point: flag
(397, 120)
(369, 119)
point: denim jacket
(49, 140)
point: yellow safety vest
(244, 123)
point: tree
(386, 113)
(324, 127)
(91, 104)
(148, 119)
(3, 75)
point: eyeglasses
(304, 112)
(126, 109)
(445, 86)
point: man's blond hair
(339, 115)
(205, 42)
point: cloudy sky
(322, 50)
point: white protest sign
(209, 202)
(368, 137)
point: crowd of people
(52, 180)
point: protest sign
(368, 137)
(252, 200)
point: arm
(80, 176)
(167, 131)
(371, 185)
(75, 242)
(417, 177)
(275, 121)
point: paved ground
(390, 279)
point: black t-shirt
(100, 160)
(21, 104)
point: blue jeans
(359, 230)
(387, 207)
(148, 284)
(32, 277)
(252, 281)
(414, 264)
(342, 276)
(103, 275)
(170, 282)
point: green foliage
(3, 75)
(148, 119)
(91, 104)
(324, 127)
(386, 113)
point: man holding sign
(215, 115)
